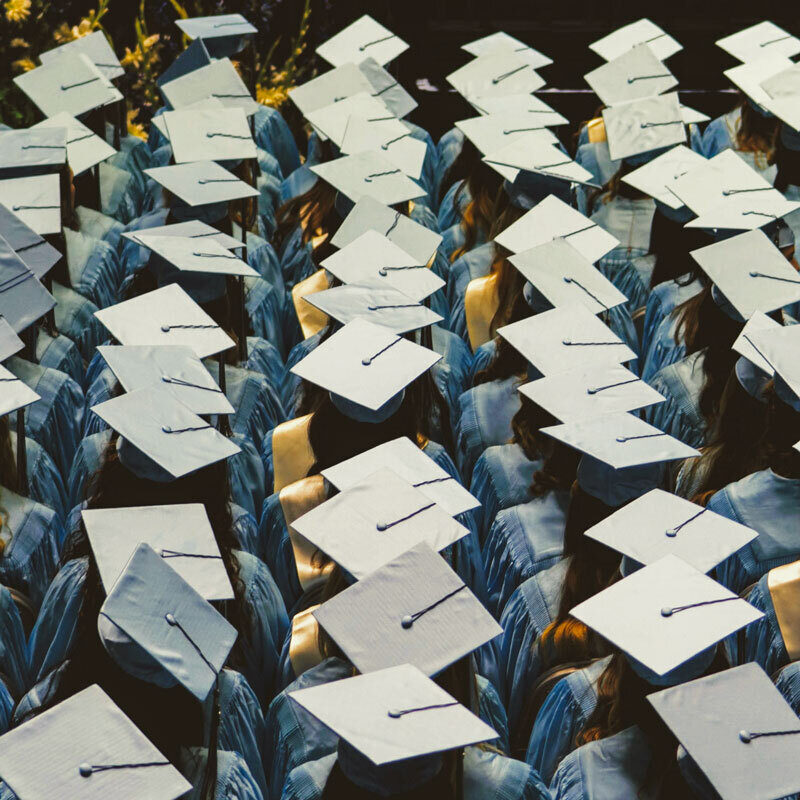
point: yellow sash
(303, 647)
(784, 588)
(292, 456)
(480, 306)
(311, 319)
(597, 130)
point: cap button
(170, 618)
(672, 533)
(407, 621)
(366, 361)
(382, 272)
(666, 611)
(165, 328)
(381, 526)
(745, 737)
(394, 713)
(85, 770)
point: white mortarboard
(33, 149)
(331, 120)
(35, 199)
(413, 610)
(389, 136)
(393, 715)
(23, 299)
(591, 391)
(196, 255)
(655, 177)
(209, 135)
(54, 754)
(659, 523)
(387, 307)
(365, 364)
(635, 74)
(621, 440)
(369, 174)
(411, 463)
(369, 214)
(519, 104)
(216, 27)
(750, 75)
(565, 277)
(330, 87)
(201, 183)
(641, 126)
(70, 83)
(501, 42)
(665, 614)
(206, 104)
(492, 132)
(553, 218)
(95, 47)
(691, 116)
(364, 38)
(760, 40)
(642, 31)
(751, 272)
(495, 75)
(10, 343)
(744, 345)
(152, 608)
(192, 229)
(37, 254)
(779, 347)
(565, 338)
(374, 260)
(389, 90)
(180, 534)
(738, 728)
(533, 155)
(165, 430)
(218, 79)
(783, 95)
(14, 394)
(196, 55)
(374, 521)
(165, 316)
(84, 147)
(176, 367)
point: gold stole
(292, 456)
(784, 588)
(311, 319)
(596, 129)
(303, 647)
(480, 306)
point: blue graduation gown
(74, 316)
(45, 484)
(453, 205)
(59, 353)
(467, 267)
(448, 149)
(95, 270)
(13, 655)
(273, 135)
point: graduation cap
(667, 617)
(744, 343)
(740, 731)
(387, 88)
(659, 523)
(495, 75)
(181, 534)
(224, 34)
(84, 148)
(188, 254)
(23, 299)
(374, 260)
(196, 55)
(191, 229)
(366, 368)
(201, 183)
(393, 715)
(159, 629)
(413, 610)
(173, 366)
(364, 38)
(783, 93)
(165, 316)
(621, 440)
(529, 105)
(330, 121)
(553, 218)
(376, 520)
(384, 306)
(537, 157)
(368, 214)
(35, 199)
(14, 394)
(564, 277)
(38, 255)
(95, 47)
(370, 174)
(10, 343)
(330, 87)
(642, 126)
(219, 79)
(32, 151)
(643, 31)
(590, 391)
(209, 135)
(635, 74)
(160, 438)
(492, 132)
(87, 749)
(411, 463)
(750, 75)
(70, 83)
(751, 272)
(501, 42)
(389, 136)
(763, 39)
(655, 177)
(779, 348)
(565, 338)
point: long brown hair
(775, 449)
(756, 133)
(316, 208)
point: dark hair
(775, 450)
(756, 133)
(8, 463)
(613, 188)
(672, 243)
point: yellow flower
(151, 40)
(17, 10)
(132, 57)
(135, 128)
(24, 64)
(19, 43)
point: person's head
(775, 450)
(757, 132)
(671, 243)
